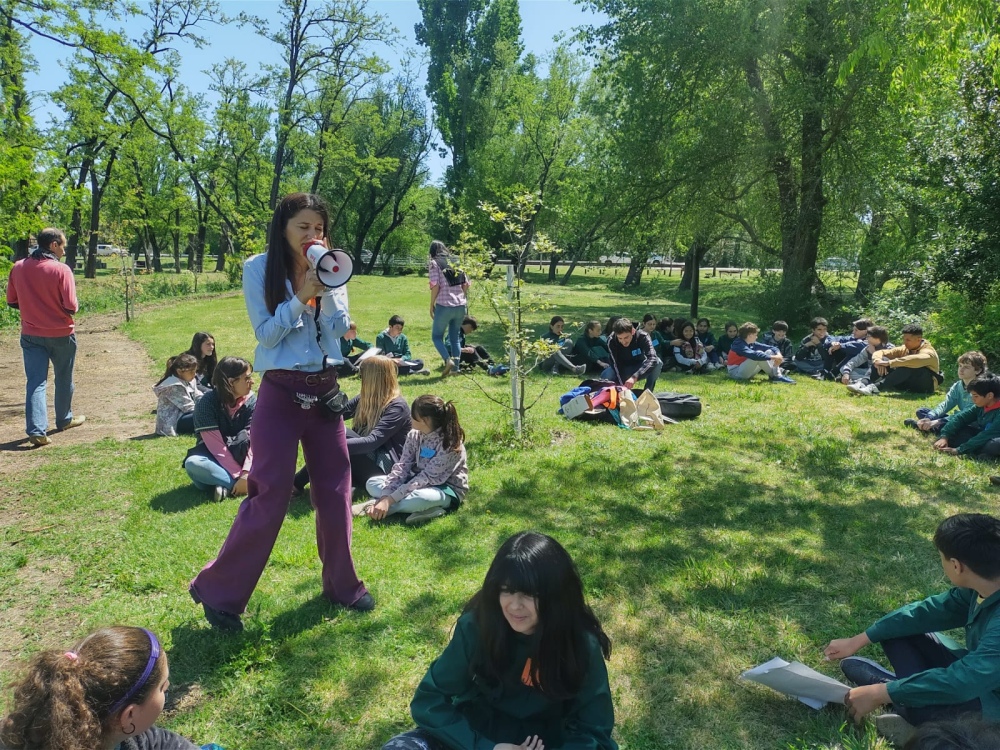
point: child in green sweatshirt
(933, 679)
(525, 665)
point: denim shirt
(287, 339)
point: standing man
(42, 288)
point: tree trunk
(175, 233)
(553, 263)
(868, 282)
(225, 248)
(569, 272)
(692, 264)
(634, 276)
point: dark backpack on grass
(678, 405)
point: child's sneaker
(911, 423)
(221, 493)
(861, 389)
(579, 369)
(894, 728)
(782, 379)
(423, 516)
(361, 509)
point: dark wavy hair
(443, 416)
(65, 703)
(206, 362)
(277, 271)
(537, 565)
(228, 369)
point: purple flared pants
(279, 424)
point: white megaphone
(333, 267)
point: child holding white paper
(934, 679)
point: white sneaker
(894, 728)
(359, 509)
(857, 389)
(579, 369)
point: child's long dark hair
(183, 361)
(65, 700)
(442, 416)
(206, 362)
(229, 369)
(537, 565)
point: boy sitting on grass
(975, 432)
(348, 343)
(777, 338)
(859, 367)
(813, 356)
(393, 343)
(472, 355)
(850, 344)
(747, 357)
(971, 365)
(934, 679)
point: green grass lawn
(783, 517)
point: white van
(111, 250)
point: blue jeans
(206, 474)
(38, 351)
(449, 318)
(628, 371)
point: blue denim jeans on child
(38, 351)
(450, 319)
(206, 474)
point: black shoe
(995, 481)
(863, 671)
(365, 604)
(910, 423)
(224, 621)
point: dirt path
(111, 376)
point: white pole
(515, 381)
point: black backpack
(678, 405)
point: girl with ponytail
(105, 693)
(431, 476)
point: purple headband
(154, 654)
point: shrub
(960, 326)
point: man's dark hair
(396, 320)
(862, 324)
(985, 384)
(468, 320)
(914, 329)
(818, 322)
(974, 540)
(878, 332)
(779, 325)
(622, 325)
(49, 235)
(556, 319)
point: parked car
(615, 260)
(104, 250)
(838, 264)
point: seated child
(495, 687)
(472, 355)
(221, 458)
(177, 392)
(632, 356)
(348, 343)
(707, 339)
(592, 349)
(971, 365)
(747, 357)
(912, 367)
(393, 344)
(725, 341)
(431, 476)
(777, 338)
(560, 358)
(104, 692)
(858, 369)
(813, 356)
(850, 344)
(667, 342)
(203, 349)
(690, 353)
(649, 325)
(933, 679)
(975, 432)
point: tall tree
(471, 44)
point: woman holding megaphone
(298, 317)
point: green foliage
(960, 326)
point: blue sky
(541, 22)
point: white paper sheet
(367, 353)
(799, 681)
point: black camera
(334, 401)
